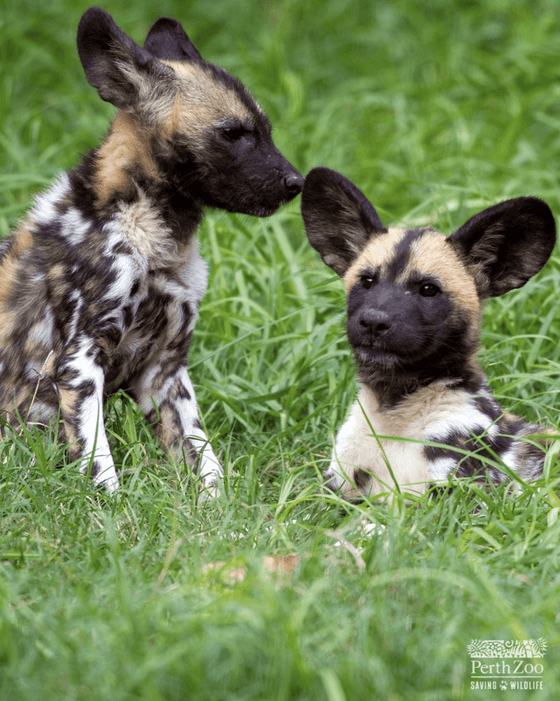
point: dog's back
(424, 411)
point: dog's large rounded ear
(113, 63)
(505, 245)
(168, 40)
(339, 220)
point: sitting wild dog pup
(414, 306)
(100, 285)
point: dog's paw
(211, 482)
(333, 479)
(102, 476)
(110, 483)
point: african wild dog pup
(100, 285)
(414, 306)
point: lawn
(276, 590)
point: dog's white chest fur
(375, 448)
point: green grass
(435, 110)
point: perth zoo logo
(507, 664)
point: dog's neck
(375, 405)
(124, 166)
(393, 386)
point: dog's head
(193, 123)
(414, 295)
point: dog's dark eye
(428, 289)
(367, 281)
(234, 133)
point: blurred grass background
(435, 110)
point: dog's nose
(376, 321)
(294, 183)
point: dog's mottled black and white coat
(414, 305)
(100, 285)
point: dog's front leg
(80, 381)
(339, 474)
(169, 402)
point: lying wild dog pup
(100, 285)
(414, 306)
